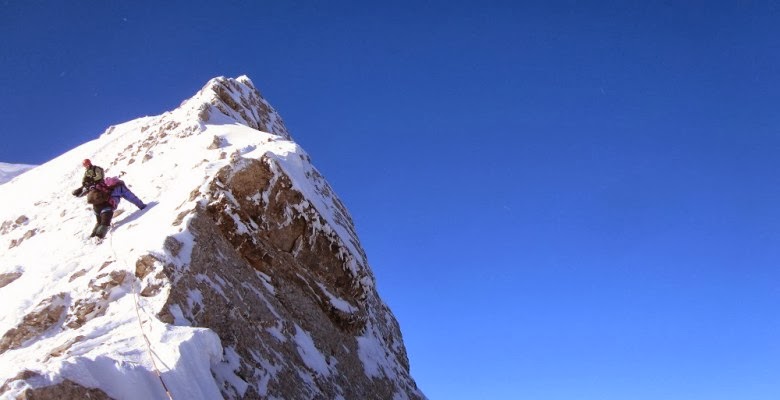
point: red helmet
(86, 163)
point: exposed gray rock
(270, 289)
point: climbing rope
(140, 324)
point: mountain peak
(242, 278)
(236, 100)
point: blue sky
(560, 200)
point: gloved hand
(78, 192)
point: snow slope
(71, 308)
(10, 171)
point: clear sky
(560, 199)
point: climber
(118, 190)
(104, 193)
(94, 179)
(93, 175)
(105, 198)
(103, 212)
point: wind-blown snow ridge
(69, 315)
(10, 171)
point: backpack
(112, 181)
(96, 196)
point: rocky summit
(242, 278)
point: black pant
(103, 214)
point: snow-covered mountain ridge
(10, 171)
(243, 278)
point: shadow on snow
(134, 215)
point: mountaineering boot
(94, 230)
(101, 231)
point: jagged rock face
(282, 294)
(252, 276)
(240, 100)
